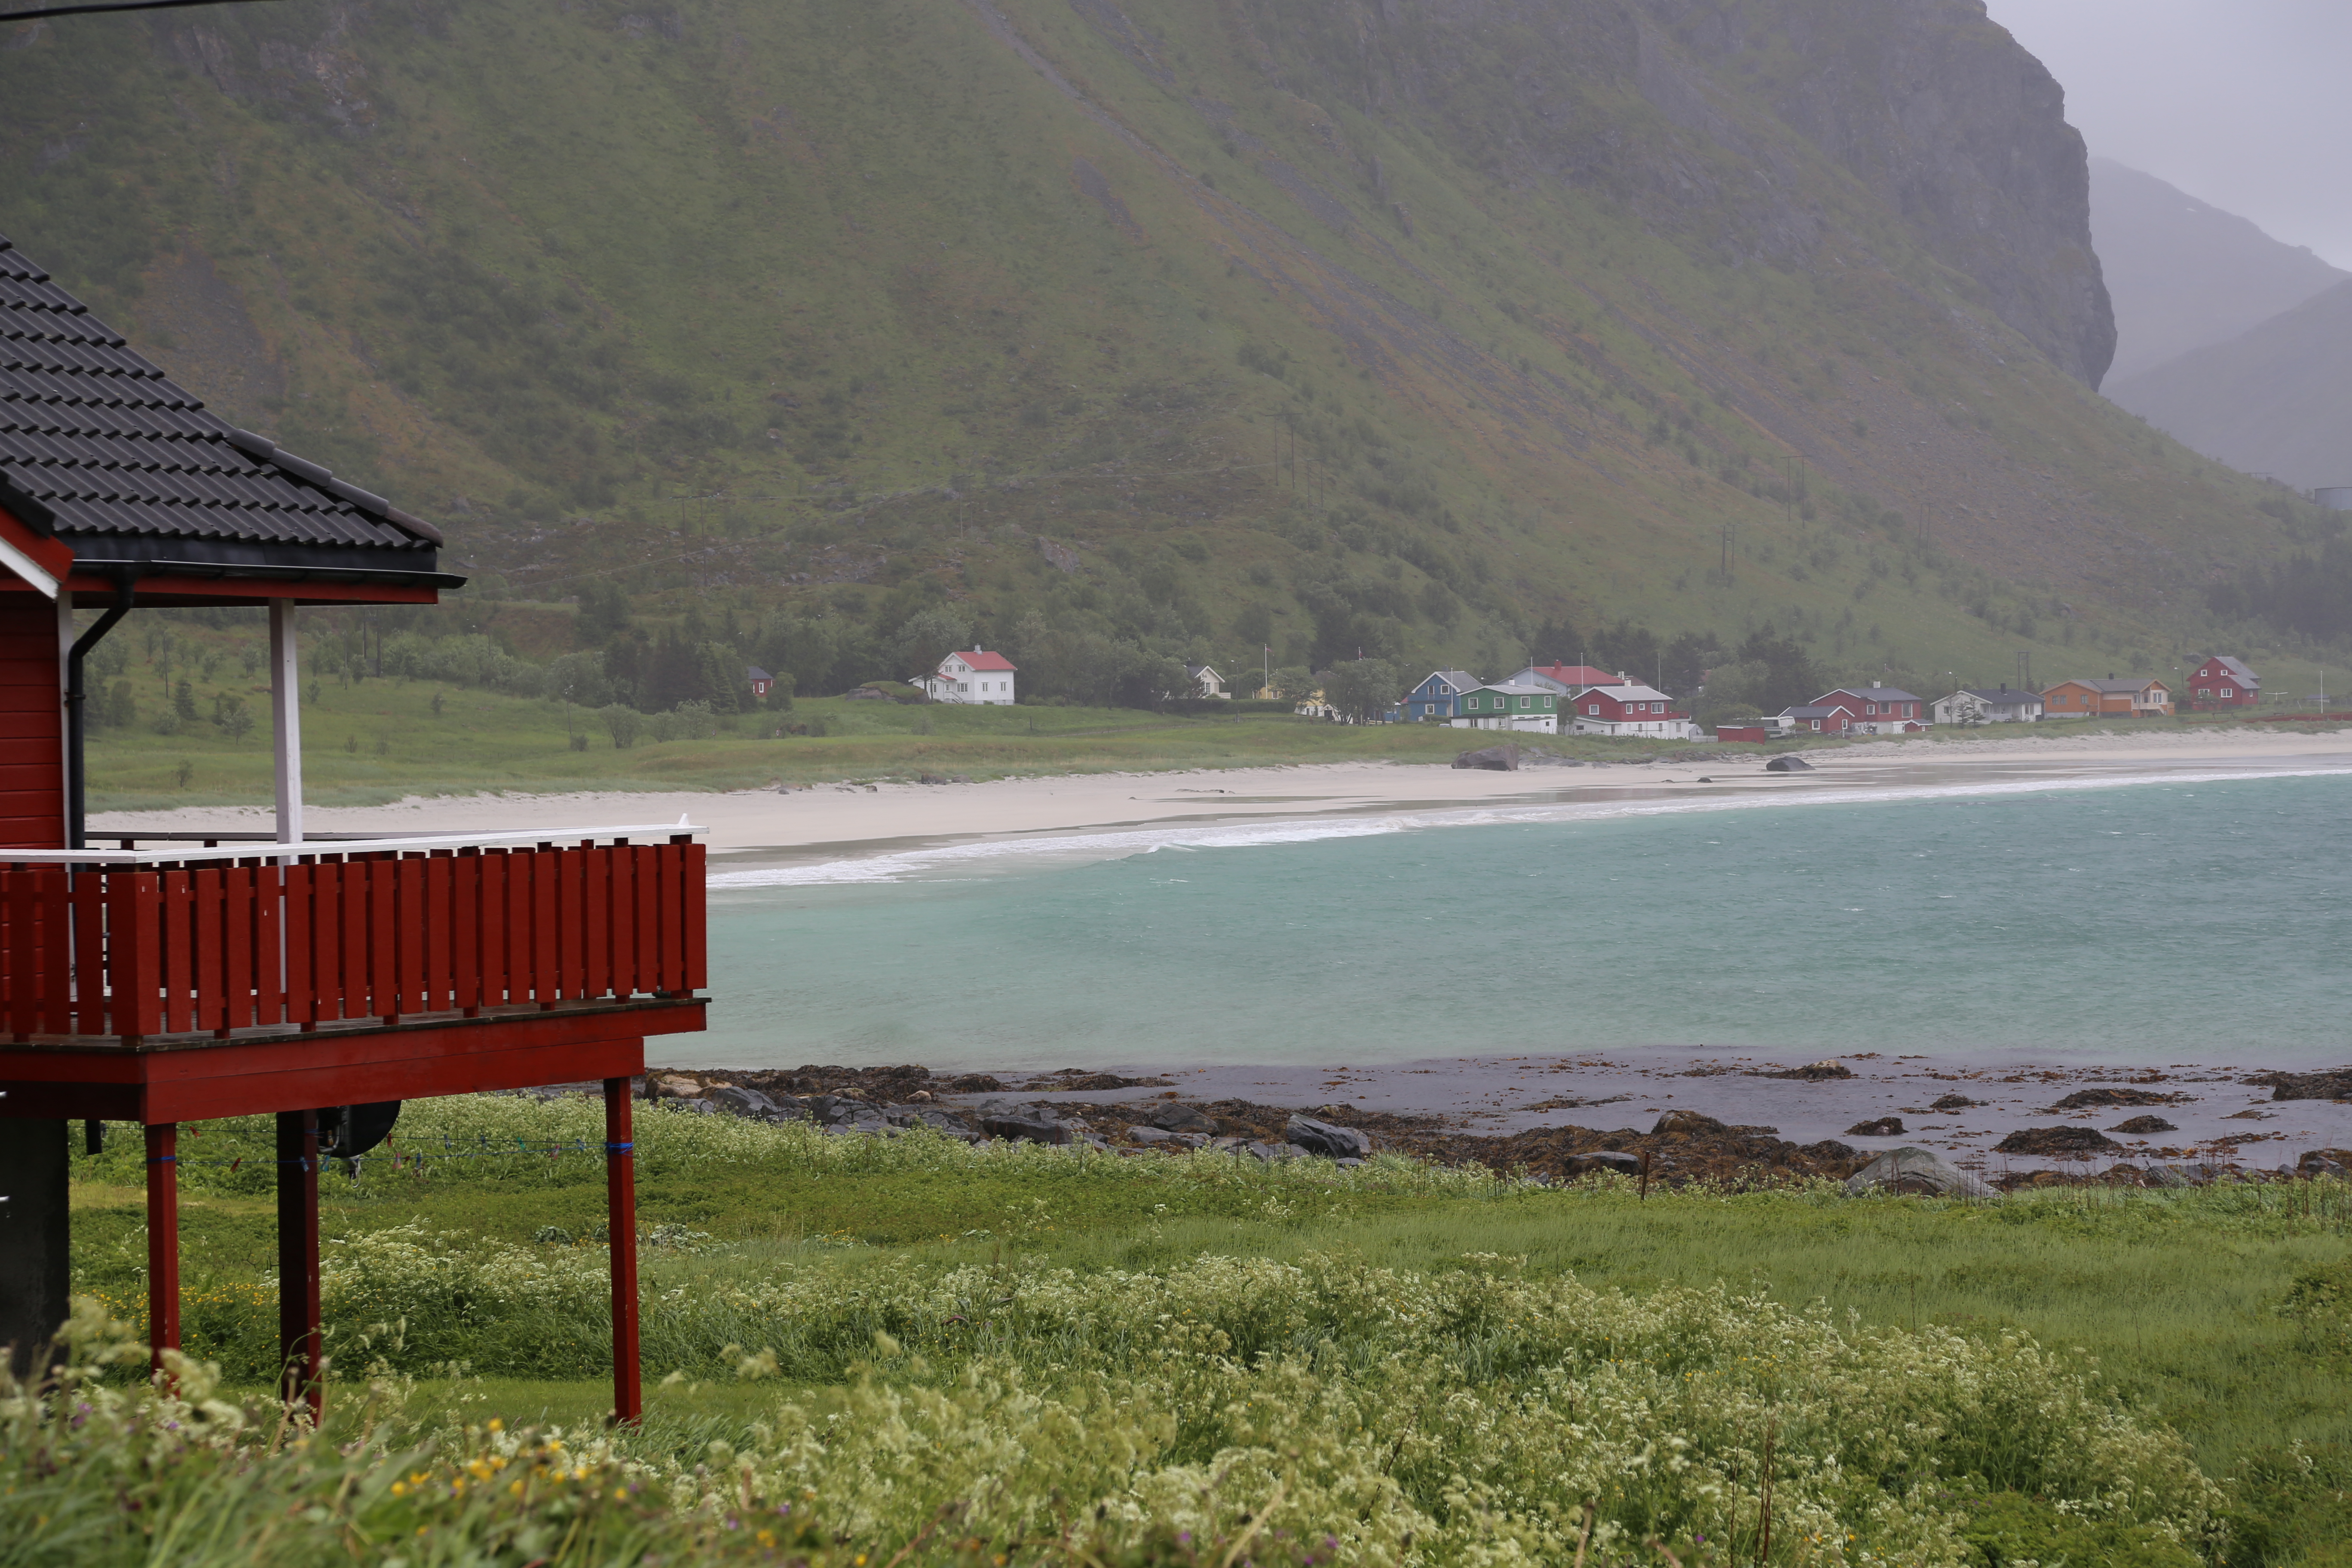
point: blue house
(1439, 698)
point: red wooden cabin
(159, 982)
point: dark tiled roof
(101, 447)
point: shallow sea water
(2141, 921)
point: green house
(1508, 706)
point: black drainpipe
(77, 724)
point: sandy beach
(835, 821)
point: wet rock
(2054, 1141)
(1953, 1102)
(2167, 1177)
(1909, 1170)
(1150, 1135)
(1813, 1072)
(1600, 1160)
(1790, 765)
(2087, 1098)
(973, 1083)
(835, 1114)
(675, 1085)
(1884, 1127)
(2326, 1162)
(1324, 1138)
(2336, 1083)
(1069, 1080)
(1173, 1116)
(2141, 1125)
(1502, 759)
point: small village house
(1627, 710)
(978, 677)
(761, 682)
(1815, 719)
(1989, 705)
(1568, 678)
(1207, 682)
(2223, 682)
(1532, 709)
(2107, 698)
(1436, 699)
(1877, 710)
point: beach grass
(383, 740)
(2210, 1317)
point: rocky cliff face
(1937, 111)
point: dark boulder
(1788, 765)
(2055, 1141)
(743, 1102)
(1953, 1102)
(2142, 1124)
(1171, 1116)
(1324, 1138)
(2333, 1084)
(1884, 1127)
(945, 1122)
(1600, 1160)
(2098, 1099)
(1502, 759)
(1028, 1124)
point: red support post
(620, 1190)
(163, 1239)
(301, 1340)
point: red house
(159, 979)
(1628, 711)
(2224, 682)
(1876, 711)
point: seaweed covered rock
(2050, 1142)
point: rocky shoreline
(1149, 1115)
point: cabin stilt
(163, 1239)
(301, 1341)
(621, 1226)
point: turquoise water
(2155, 922)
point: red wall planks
(32, 725)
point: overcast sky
(2243, 103)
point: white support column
(65, 635)
(285, 719)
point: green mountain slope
(1459, 330)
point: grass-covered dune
(871, 1352)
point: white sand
(843, 819)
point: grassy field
(2092, 1376)
(384, 740)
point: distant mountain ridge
(1414, 326)
(2184, 274)
(2277, 400)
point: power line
(40, 13)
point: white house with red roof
(975, 677)
(1630, 710)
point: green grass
(2181, 1307)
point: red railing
(134, 951)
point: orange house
(2106, 698)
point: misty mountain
(2184, 274)
(2277, 400)
(1410, 325)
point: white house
(1507, 705)
(975, 677)
(1207, 682)
(1989, 705)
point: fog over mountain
(2275, 400)
(2183, 274)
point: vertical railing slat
(300, 883)
(696, 972)
(545, 986)
(134, 953)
